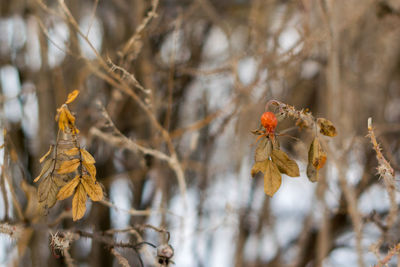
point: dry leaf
(87, 157)
(47, 166)
(67, 190)
(72, 152)
(47, 154)
(72, 96)
(263, 150)
(312, 173)
(326, 127)
(91, 169)
(69, 166)
(272, 178)
(65, 119)
(92, 188)
(284, 163)
(79, 203)
(48, 190)
(258, 167)
(316, 155)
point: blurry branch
(64, 215)
(15, 201)
(124, 142)
(117, 139)
(197, 125)
(387, 173)
(68, 259)
(121, 260)
(96, 2)
(126, 74)
(356, 218)
(132, 212)
(4, 193)
(139, 30)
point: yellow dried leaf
(87, 157)
(65, 118)
(263, 150)
(69, 166)
(46, 167)
(72, 96)
(326, 127)
(258, 167)
(316, 155)
(47, 154)
(92, 188)
(67, 190)
(79, 203)
(272, 178)
(91, 169)
(284, 163)
(72, 152)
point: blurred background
(189, 80)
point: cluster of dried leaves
(67, 168)
(273, 162)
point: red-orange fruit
(269, 121)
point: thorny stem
(387, 173)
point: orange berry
(269, 121)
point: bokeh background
(190, 79)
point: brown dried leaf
(69, 166)
(92, 188)
(326, 127)
(284, 163)
(263, 150)
(67, 190)
(48, 189)
(47, 154)
(72, 96)
(87, 157)
(272, 178)
(312, 173)
(72, 152)
(79, 203)
(47, 166)
(91, 169)
(316, 155)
